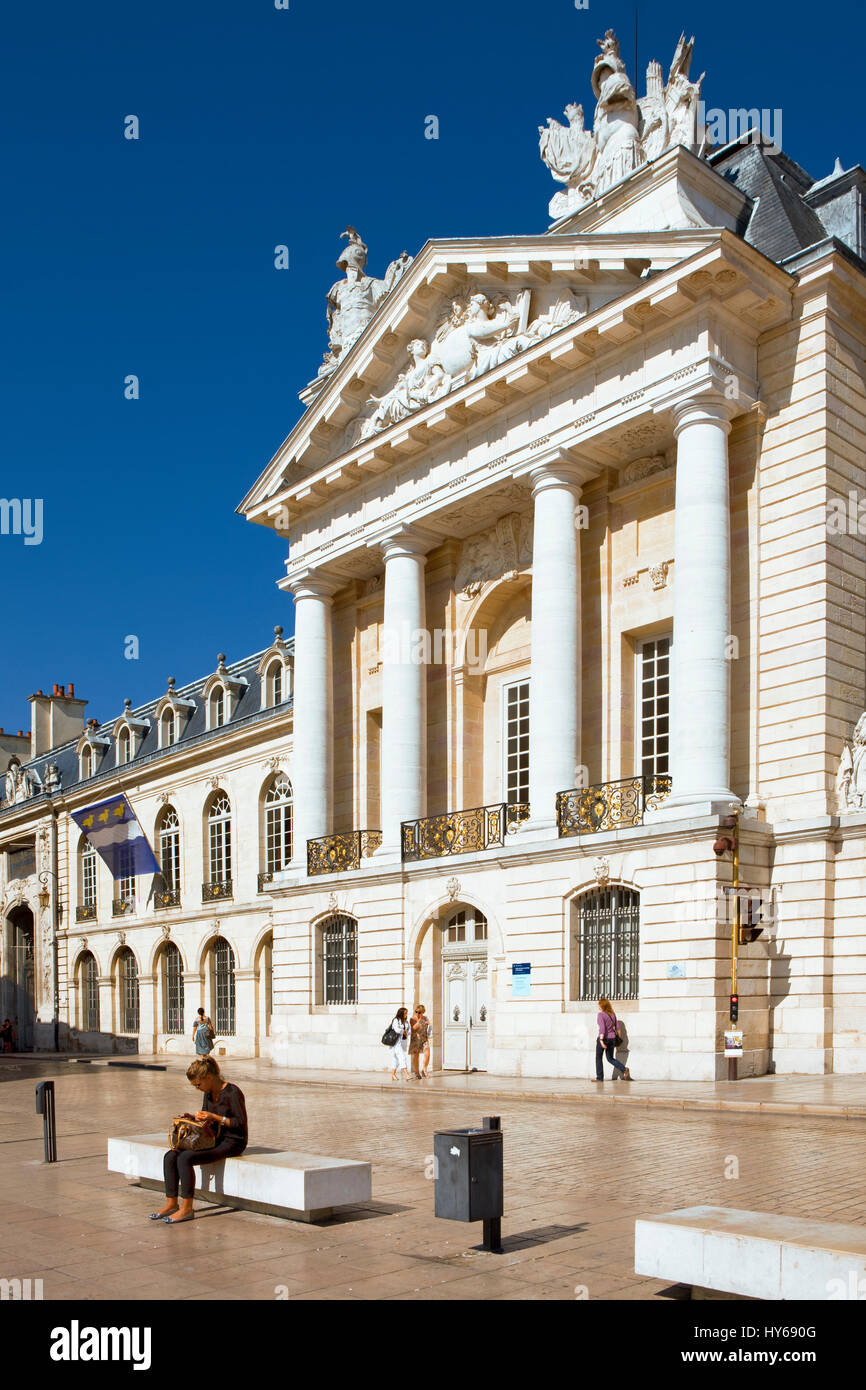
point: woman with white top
(400, 1050)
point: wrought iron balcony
(86, 912)
(609, 805)
(220, 888)
(329, 854)
(460, 832)
(170, 898)
(122, 907)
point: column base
(713, 803)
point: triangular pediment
(478, 307)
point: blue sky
(155, 257)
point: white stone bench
(303, 1187)
(752, 1254)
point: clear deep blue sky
(155, 257)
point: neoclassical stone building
(575, 575)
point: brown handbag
(189, 1133)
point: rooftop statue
(353, 301)
(626, 132)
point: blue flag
(113, 830)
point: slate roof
(247, 710)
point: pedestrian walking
(6, 1035)
(400, 1049)
(608, 1037)
(226, 1111)
(203, 1034)
(419, 1044)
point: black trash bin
(468, 1174)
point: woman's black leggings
(179, 1164)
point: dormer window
(218, 708)
(275, 673)
(275, 683)
(86, 762)
(125, 750)
(167, 729)
(172, 713)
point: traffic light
(735, 1007)
(751, 930)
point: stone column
(701, 671)
(554, 690)
(107, 1021)
(148, 1022)
(313, 717)
(405, 656)
(246, 1022)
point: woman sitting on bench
(225, 1109)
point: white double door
(464, 990)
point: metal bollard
(492, 1229)
(45, 1108)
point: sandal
(177, 1220)
(158, 1216)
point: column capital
(711, 408)
(557, 467)
(403, 540)
(311, 584)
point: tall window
(172, 987)
(218, 708)
(275, 683)
(86, 762)
(278, 824)
(340, 960)
(87, 860)
(126, 890)
(169, 850)
(606, 944)
(89, 986)
(220, 840)
(655, 694)
(127, 985)
(516, 743)
(223, 959)
(168, 729)
(124, 746)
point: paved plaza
(579, 1168)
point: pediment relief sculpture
(851, 776)
(639, 469)
(353, 301)
(479, 330)
(20, 784)
(500, 552)
(627, 132)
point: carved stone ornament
(83, 940)
(479, 330)
(851, 775)
(643, 468)
(659, 574)
(453, 887)
(457, 970)
(121, 938)
(272, 764)
(165, 797)
(333, 902)
(500, 552)
(214, 782)
(353, 301)
(20, 784)
(601, 871)
(480, 971)
(166, 931)
(627, 132)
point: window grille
(224, 987)
(169, 850)
(89, 993)
(517, 743)
(340, 946)
(127, 977)
(655, 707)
(278, 824)
(606, 955)
(220, 840)
(172, 980)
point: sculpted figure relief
(19, 784)
(353, 301)
(851, 776)
(626, 132)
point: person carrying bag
(609, 1037)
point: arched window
(172, 988)
(168, 830)
(217, 708)
(220, 840)
(339, 955)
(127, 990)
(223, 986)
(605, 957)
(467, 925)
(124, 747)
(167, 729)
(275, 683)
(86, 911)
(278, 824)
(88, 987)
(86, 762)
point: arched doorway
(464, 992)
(20, 1003)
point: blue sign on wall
(520, 980)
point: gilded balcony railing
(221, 888)
(85, 912)
(460, 832)
(122, 907)
(329, 854)
(609, 805)
(263, 880)
(170, 898)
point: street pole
(735, 930)
(492, 1229)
